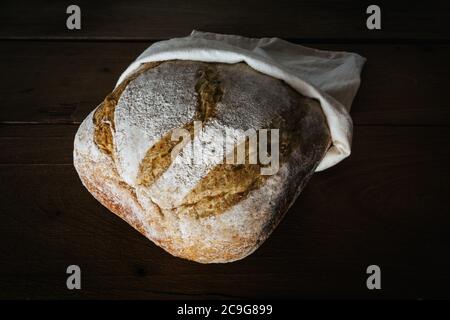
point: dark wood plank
(61, 82)
(152, 20)
(387, 204)
(36, 144)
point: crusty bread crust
(231, 234)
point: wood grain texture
(387, 204)
(154, 20)
(401, 84)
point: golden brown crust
(156, 161)
(223, 186)
(209, 91)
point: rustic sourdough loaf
(207, 211)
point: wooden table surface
(387, 204)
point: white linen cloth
(329, 76)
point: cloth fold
(331, 77)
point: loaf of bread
(210, 210)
